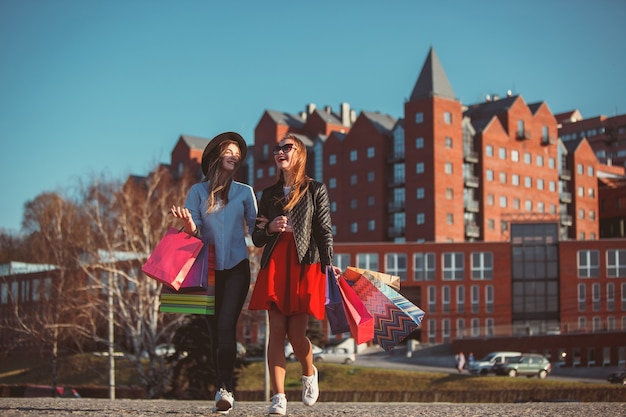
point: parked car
(291, 356)
(618, 377)
(48, 391)
(335, 355)
(485, 365)
(528, 364)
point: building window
(419, 168)
(516, 203)
(449, 193)
(353, 203)
(419, 118)
(582, 297)
(540, 207)
(588, 263)
(527, 158)
(332, 159)
(371, 152)
(445, 330)
(341, 260)
(475, 294)
(490, 199)
(367, 261)
(539, 183)
(420, 193)
(551, 163)
(332, 183)
(489, 175)
(447, 118)
(520, 128)
(503, 202)
(552, 186)
(482, 265)
(460, 299)
(445, 299)
(353, 179)
(489, 150)
(515, 180)
(450, 218)
(489, 299)
(354, 227)
(616, 263)
(515, 156)
(448, 142)
(333, 206)
(371, 225)
(491, 224)
(502, 153)
(595, 296)
(354, 155)
(424, 266)
(448, 167)
(528, 205)
(419, 143)
(432, 331)
(453, 267)
(396, 264)
(370, 201)
(580, 169)
(432, 299)
(539, 160)
(420, 218)
(503, 177)
(528, 182)
(590, 171)
(610, 296)
(370, 176)
(581, 214)
(259, 173)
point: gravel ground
(19, 407)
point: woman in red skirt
(291, 284)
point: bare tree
(126, 222)
(54, 227)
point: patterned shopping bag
(395, 317)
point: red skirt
(294, 288)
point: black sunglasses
(286, 148)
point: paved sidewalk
(19, 407)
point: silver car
(335, 355)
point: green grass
(89, 370)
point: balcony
(471, 205)
(565, 197)
(523, 135)
(470, 156)
(566, 219)
(395, 206)
(472, 230)
(471, 181)
(546, 140)
(396, 231)
(395, 156)
(565, 174)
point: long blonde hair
(218, 178)
(299, 181)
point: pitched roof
(432, 81)
(489, 108)
(287, 119)
(194, 142)
(383, 122)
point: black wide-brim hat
(214, 144)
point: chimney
(345, 114)
(328, 110)
(310, 108)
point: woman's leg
(276, 350)
(231, 290)
(296, 332)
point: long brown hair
(299, 181)
(218, 178)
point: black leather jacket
(310, 219)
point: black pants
(231, 289)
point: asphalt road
(21, 407)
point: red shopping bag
(172, 258)
(360, 320)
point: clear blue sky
(95, 87)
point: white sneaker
(224, 401)
(279, 405)
(310, 388)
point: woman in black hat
(215, 210)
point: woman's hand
(279, 224)
(261, 221)
(184, 214)
(336, 271)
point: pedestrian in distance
(460, 362)
(296, 234)
(217, 210)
